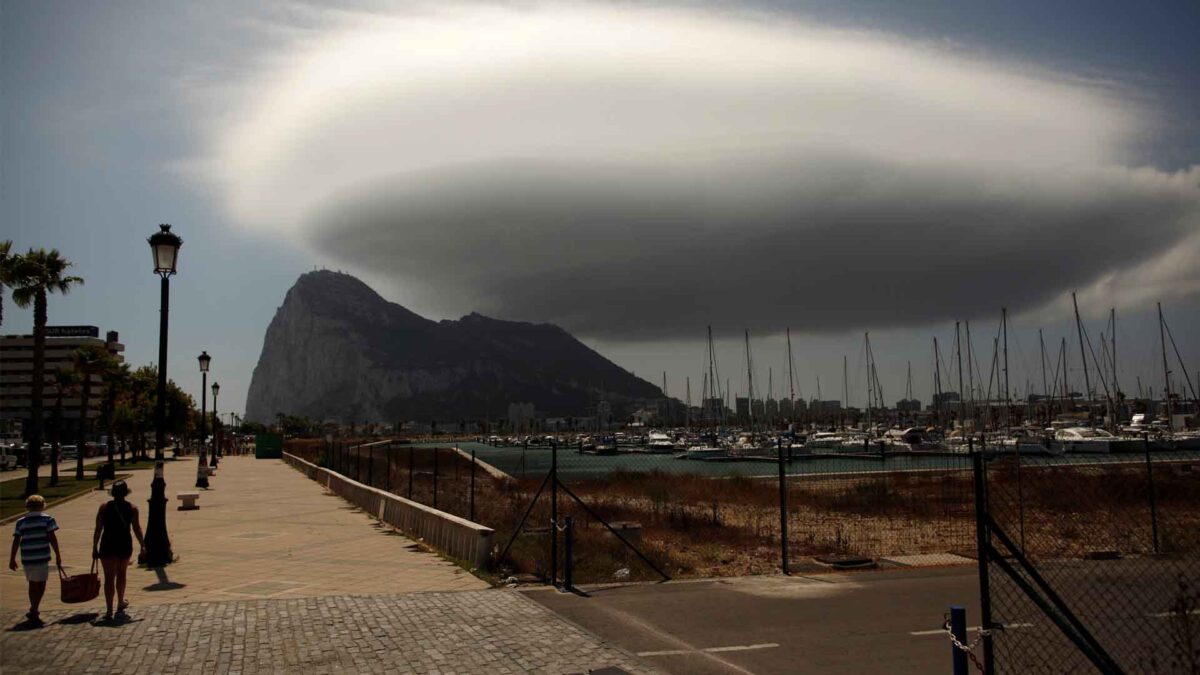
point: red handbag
(80, 587)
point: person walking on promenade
(34, 536)
(112, 544)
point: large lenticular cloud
(636, 173)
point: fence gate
(566, 515)
(1089, 563)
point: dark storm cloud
(820, 242)
(638, 172)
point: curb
(63, 500)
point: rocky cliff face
(337, 350)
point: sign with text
(73, 331)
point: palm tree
(6, 265)
(116, 381)
(64, 382)
(88, 360)
(33, 276)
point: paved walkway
(263, 530)
(276, 575)
(492, 631)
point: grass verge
(12, 499)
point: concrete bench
(189, 500)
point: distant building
(713, 409)
(826, 407)
(604, 414)
(908, 405)
(16, 372)
(742, 409)
(521, 416)
(785, 408)
(944, 399)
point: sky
(634, 172)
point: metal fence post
(783, 510)
(554, 512)
(371, 467)
(435, 476)
(982, 542)
(387, 479)
(568, 554)
(472, 518)
(958, 626)
(410, 471)
(1150, 485)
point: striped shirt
(34, 531)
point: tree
(6, 272)
(116, 378)
(64, 382)
(34, 276)
(88, 360)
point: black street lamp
(216, 429)
(165, 246)
(202, 466)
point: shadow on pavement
(163, 583)
(82, 617)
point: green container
(268, 446)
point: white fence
(454, 536)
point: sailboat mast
(1162, 336)
(937, 380)
(1045, 387)
(970, 368)
(1007, 403)
(962, 400)
(1113, 340)
(791, 374)
(749, 382)
(770, 396)
(870, 398)
(845, 388)
(1087, 384)
(687, 404)
(1066, 391)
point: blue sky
(118, 116)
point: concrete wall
(454, 536)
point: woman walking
(112, 544)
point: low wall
(457, 537)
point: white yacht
(658, 441)
(1083, 439)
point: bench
(189, 500)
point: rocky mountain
(337, 350)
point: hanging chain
(970, 647)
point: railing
(454, 536)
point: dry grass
(694, 526)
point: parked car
(68, 452)
(8, 459)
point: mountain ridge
(336, 349)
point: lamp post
(202, 465)
(164, 244)
(216, 429)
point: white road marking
(970, 629)
(1163, 615)
(710, 650)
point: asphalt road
(882, 621)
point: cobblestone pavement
(489, 631)
(264, 530)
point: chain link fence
(1115, 540)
